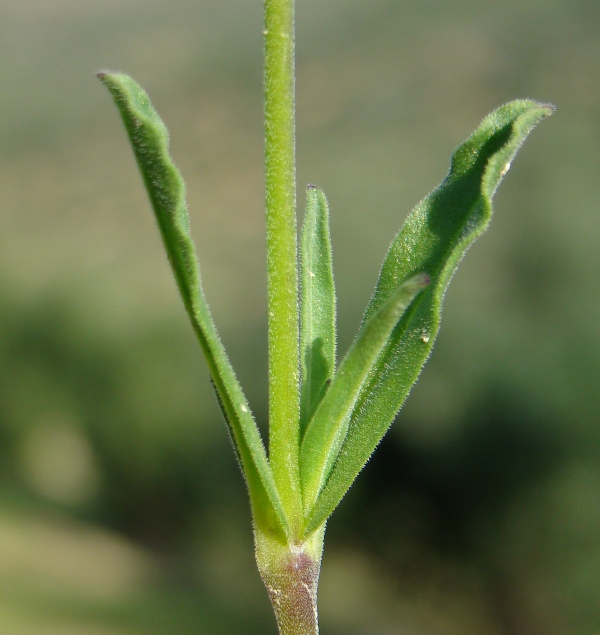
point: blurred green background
(122, 511)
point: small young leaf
(166, 190)
(328, 427)
(317, 326)
(434, 238)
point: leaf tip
(114, 78)
(548, 107)
(107, 77)
(543, 110)
(417, 282)
(105, 74)
(422, 279)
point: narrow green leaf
(434, 238)
(327, 429)
(317, 325)
(166, 190)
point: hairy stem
(280, 171)
(291, 575)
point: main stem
(290, 571)
(280, 168)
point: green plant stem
(290, 571)
(291, 575)
(284, 409)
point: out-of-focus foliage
(121, 509)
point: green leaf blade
(166, 189)
(327, 429)
(434, 238)
(318, 310)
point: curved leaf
(166, 190)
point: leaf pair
(344, 414)
(328, 398)
(347, 426)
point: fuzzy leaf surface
(317, 324)
(328, 427)
(166, 189)
(434, 238)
